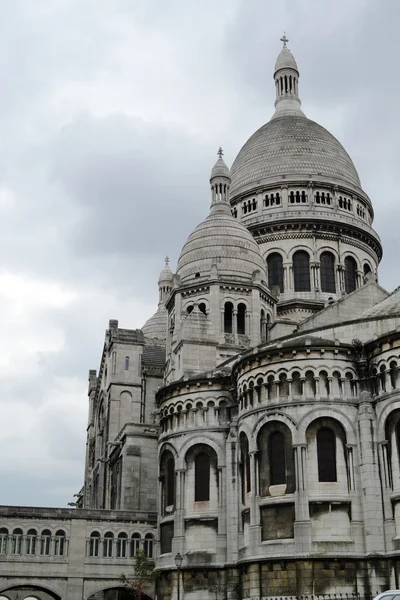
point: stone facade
(253, 424)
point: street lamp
(178, 563)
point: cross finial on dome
(167, 261)
(220, 152)
(284, 39)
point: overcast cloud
(110, 117)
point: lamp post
(178, 563)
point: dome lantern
(286, 76)
(220, 181)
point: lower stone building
(248, 436)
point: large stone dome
(222, 241)
(295, 147)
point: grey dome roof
(223, 241)
(291, 145)
(220, 169)
(285, 60)
(156, 326)
(166, 274)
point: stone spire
(165, 282)
(286, 76)
(220, 181)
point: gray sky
(110, 117)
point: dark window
(135, 543)
(31, 541)
(170, 483)
(277, 458)
(122, 543)
(166, 535)
(228, 316)
(94, 544)
(3, 540)
(148, 545)
(108, 544)
(328, 272)
(59, 543)
(301, 271)
(326, 450)
(202, 308)
(202, 477)
(241, 319)
(126, 363)
(350, 274)
(16, 546)
(275, 271)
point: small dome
(285, 60)
(220, 169)
(222, 241)
(166, 273)
(156, 326)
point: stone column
(370, 477)
(302, 525)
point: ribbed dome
(291, 145)
(156, 326)
(222, 241)
(220, 169)
(285, 60)
(166, 274)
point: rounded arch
(276, 416)
(199, 440)
(328, 413)
(31, 589)
(277, 249)
(167, 446)
(106, 593)
(390, 407)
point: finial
(284, 39)
(220, 152)
(167, 261)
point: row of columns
(284, 194)
(252, 396)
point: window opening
(328, 272)
(326, 451)
(241, 319)
(202, 477)
(277, 458)
(301, 271)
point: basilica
(247, 437)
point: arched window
(45, 540)
(126, 363)
(203, 308)
(202, 477)
(59, 543)
(350, 274)
(277, 463)
(245, 466)
(94, 544)
(228, 317)
(3, 540)
(301, 271)
(16, 545)
(328, 272)
(241, 319)
(31, 538)
(148, 544)
(135, 543)
(326, 451)
(167, 475)
(122, 543)
(108, 542)
(275, 271)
